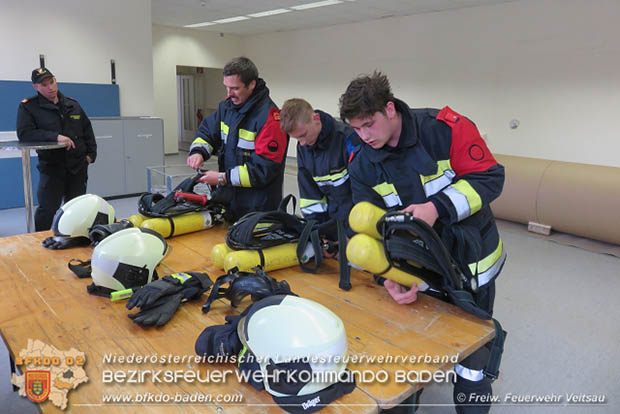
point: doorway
(199, 92)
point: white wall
(172, 47)
(552, 64)
(78, 39)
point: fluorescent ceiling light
(231, 19)
(316, 4)
(270, 13)
(200, 24)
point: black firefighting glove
(160, 299)
(159, 312)
(100, 231)
(60, 242)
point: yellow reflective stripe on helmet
(438, 181)
(332, 179)
(388, 193)
(489, 266)
(309, 206)
(465, 199)
(245, 134)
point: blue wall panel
(96, 99)
(13, 188)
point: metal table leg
(28, 200)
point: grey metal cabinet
(106, 177)
(125, 147)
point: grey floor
(558, 303)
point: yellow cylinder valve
(363, 219)
(367, 252)
(184, 223)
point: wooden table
(43, 300)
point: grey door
(144, 147)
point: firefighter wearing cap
(245, 133)
(50, 116)
(435, 165)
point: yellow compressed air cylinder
(184, 223)
(218, 254)
(276, 257)
(137, 219)
(363, 219)
(367, 252)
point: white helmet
(127, 259)
(287, 332)
(77, 216)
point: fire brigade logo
(38, 385)
(273, 146)
(49, 373)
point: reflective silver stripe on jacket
(469, 374)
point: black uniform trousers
(54, 188)
(470, 397)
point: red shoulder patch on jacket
(448, 115)
(271, 140)
(468, 151)
(73, 99)
(25, 100)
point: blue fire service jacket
(40, 120)
(440, 157)
(251, 150)
(323, 176)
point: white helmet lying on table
(74, 219)
(287, 333)
(126, 259)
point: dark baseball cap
(39, 74)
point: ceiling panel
(179, 13)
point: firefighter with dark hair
(245, 134)
(434, 165)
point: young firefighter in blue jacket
(433, 164)
(245, 133)
(323, 149)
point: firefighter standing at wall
(52, 117)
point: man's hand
(66, 140)
(195, 161)
(210, 177)
(400, 293)
(90, 160)
(426, 212)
